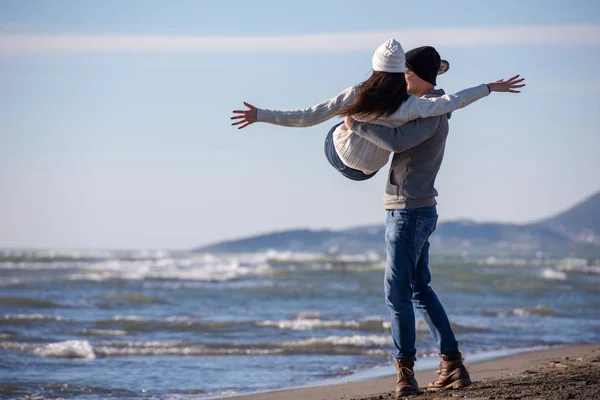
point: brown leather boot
(406, 384)
(453, 374)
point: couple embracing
(398, 110)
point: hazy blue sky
(114, 115)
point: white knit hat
(389, 57)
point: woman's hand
(508, 85)
(247, 117)
(348, 121)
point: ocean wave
(167, 266)
(29, 319)
(308, 321)
(19, 257)
(27, 302)
(306, 257)
(539, 310)
(195, 268)
(331, 345)
(310, 324)
(354, 340)
(78, 349)
(7, 335)
(69, 349)
(134, 298)
(578, 265)
(122, 325)
(302, 322)
(338, 345)
(131, 324)
(552, 274)
(291, 256)
(102, 332)
(173, 324)
(182, 350)
(71, 256)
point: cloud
(330, 42)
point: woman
(382, 99)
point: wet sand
(571, 372)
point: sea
(185, 325)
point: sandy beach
(571, 372)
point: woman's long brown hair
(379, 96)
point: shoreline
(504, 366)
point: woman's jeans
(407, 280)
(338, 164)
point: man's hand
(348, 121)
(247, 117)
(508, 85)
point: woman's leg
(338, 164)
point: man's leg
(428, 304)
(400, 264)
(453, 373)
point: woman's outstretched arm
(296, 118)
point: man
(410, 203)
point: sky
(115, 130)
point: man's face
(412, 81)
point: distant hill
(575, 231)
(361, 239)
(580, 222)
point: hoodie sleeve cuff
(263, 115)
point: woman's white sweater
(359, 153)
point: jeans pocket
(396, 226)
(424, 228)
(398, 216)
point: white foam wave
(104, 332)
(308, 324)
(377, 352)
(192, 350)
(291, 256)
(169, 269)
(163, 265)
(552, 274)
(493, 260)
(26, 317)
(331, 344)
(578, 265)
(128, 318)
(354, 340)
(154, 348)
(538, 310)
(369, 256)
(70, 349)
(137, 266)
(308, 321)
(82, 349)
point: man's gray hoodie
(418, 148)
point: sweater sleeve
(401, 138)
(424, 107)
(308, 116)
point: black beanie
(425, 62)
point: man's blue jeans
(407, 280)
